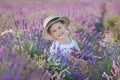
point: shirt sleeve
(76, 45)
(53, 53)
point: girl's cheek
(54, 34)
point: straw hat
(49, 21)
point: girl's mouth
(60, 34)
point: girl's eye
(54, 31)
(59, 27)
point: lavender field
(24, 54)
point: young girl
(55, 28)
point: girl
(55, 28)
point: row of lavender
(24, 54)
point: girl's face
(58, 31)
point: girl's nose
(59, 31)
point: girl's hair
(48, 30)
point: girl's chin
(62, 37)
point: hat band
(52, 21)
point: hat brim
(46, 35)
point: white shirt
(62, 49)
